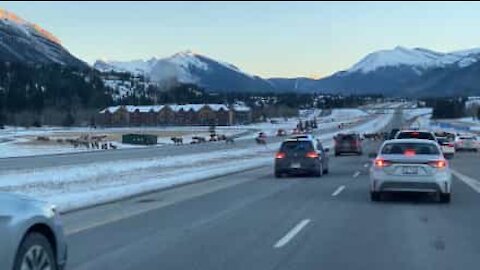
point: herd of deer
(199, 139)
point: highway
(250, 220)
(79, 158)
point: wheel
(337, 154)
(375, 196)
(319, 173)
(325, 171)
(360, 153)
(445, 197)
(35, 252)
(278, 175)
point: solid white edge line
(338, 190)
(471, 182)
(356, 174)
(291, 234)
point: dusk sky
(268, 39)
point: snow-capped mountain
(400, 71)
(25, 42)
(189, 67)
(418, 59)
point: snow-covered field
(86, 185)
(15, 142)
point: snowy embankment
(410, 114)
(74, 187)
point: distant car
(447, 145)
(348, 143)
(281, 133)
(466, 143)
(416, 134)
(301, 155)
(31, 234)
(411, 165)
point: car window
(467, 138)
(349, 137)
(413, 148)
(415, 135)
(296, 147)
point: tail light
(409, 153)
(312, 154)
(381, 163)
(439, 164)
(280, 155)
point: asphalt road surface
(250, 220)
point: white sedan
(410, 165)
(468, 143)
(447, 145)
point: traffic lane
(36, 162)
(85, 218)
(407, 231)
(466, 163)
(186, 227)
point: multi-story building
(174, 114)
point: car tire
(319, 173)
(445, 197)
(375, 196)
(278, 175)
(34, 246)
(337, 154)
(325, 171)
(360, 153)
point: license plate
(410, 170)
(295, 166)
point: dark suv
(301, 155)
(348, 143)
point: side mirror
(372, 155)
(327, 150)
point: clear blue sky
(286, 39)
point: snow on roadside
(410, 114)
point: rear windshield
(443, 140)
(296, 147)
(415, 135)
(347, 137)
(467, 138)
(410, 148)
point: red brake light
(280, 155)
(381, 163)
(409, 153)
(439, 164)
(312, 154)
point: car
(466, 143)
(447, 144)
(31, 234)
(281, 132)
(301, 155)
(410, 165)
(348, 143)
(416, 134)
